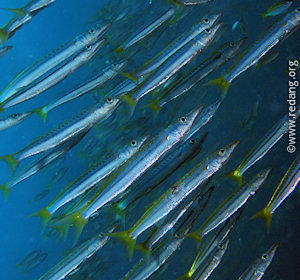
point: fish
(50, 61)
(146, 30)
(213, 242)
(174, 64)
(277, 9)
(191, 2)
(234, 202)
(285, 187)
(77, 256)
(134, 169)
(32, 260)
(39, 196)
(205, 23)
(223, 54)
(13, 119)
(4, 50)
(175, 195)
(79, 124)
(87, 86)
(91, 178)
(38, 164)
(261, 47)
(257, 270)
(262, 147)
(57, 176)
(63, 71)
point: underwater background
(254, 103)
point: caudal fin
(144, 250)
(120, 50)
(155, 107)
(11, 161)
(19, 12)
(44, 215)
(221, 83)
(126, 239)
(264, 214)
(185, 276)
(236, 175)
(3, 36)
(42, 112)
(5, 189)
(197, 238)
(130, 101)
(130, 77)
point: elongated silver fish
(78, 125)
(234, 202)
(263, 146)
(175, 195)
(51, 60)
(175, 63)
(64, 70)
(12, 120)
(78, 255)
(134, 169)
(93, 83)
(257, 270)
(261, 47)
(286, 186)
(91, 178)
(205, 23)
(146, 30)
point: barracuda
(91, 178)
(234, 202)
(257, 270)
(286, 186)
(261, 47)
(262, 147)
(13, 120)
(83, 88)
(50, 61)
(174, 64)
(175, 195)
(134, 169)
(72, 128)
(146, 30)
(171, 49)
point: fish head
(209, 34)
(233, 48)
(262, 176)
(118, 66)
(268, 255)
(90, 50)
(223, 154)
(210, 20)
(135, 145)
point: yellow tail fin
(44, 215)
(5, 189)
(236, 175)
(264, 214)
(221, 83)
(11, 161)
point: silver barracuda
(93, 83)
(4, 50)
(150, 154)
(263, 146)
(175, 195)
(13, 119)
(35, 166)
(78, 255)
(192, 2)
(257, 270)
(174, 64)
(50, 61)
(206, 23)
(234, 202)
(91, 178)
(65, 132)
(63, 71)
(217, 59)
(286, 186)
(146, 30)
(261, 47)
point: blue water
(266, 89)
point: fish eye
(231, 45)
(133, 143)
(192, 141)
(182, 120)
(109, 100)
(297, 10)
(201, 197)
(14, 115)
(88, 47)
(101, 234)
(212, 106)
(260, 174)
(92, 30)
(207, 31)
(176, 235)
(264, 256)
(221, 152)
(205, 20)
(174, 188)
(115, 64)
(220, 246)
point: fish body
(277, 8)
(50, 61)
(55, 77)
(206, 22)
(37, 5)
(192, 2)
(286, 186)
(257, 270)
